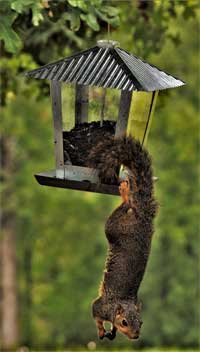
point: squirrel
(129, 231)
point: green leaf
(114, 21)
(74, 18)
(11, 39)
(79, 3)
(20, 5)
(73, 3)
(91, 21)
(37, 14)
(110, 10)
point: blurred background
(52, 244)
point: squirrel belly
(129, 231)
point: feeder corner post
(124, 108)
(56, 104)
(81, 103)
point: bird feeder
(110, 67)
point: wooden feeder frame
(135, 75)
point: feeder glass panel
(112, 104)
(68, 102)
(103, 104)
(140, 115)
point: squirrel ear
(138, 307)
(120, 309)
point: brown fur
(129, 232)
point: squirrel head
(127, 319)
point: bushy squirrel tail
(108, 156)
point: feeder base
(49, 179)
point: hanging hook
(108, 31)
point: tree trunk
(9, 311)
(27, 300)
(0, 293)
(9, 299)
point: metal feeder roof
(107, 66)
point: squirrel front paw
(101, 333)
(124, 190)
(110, 335)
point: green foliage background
(60, 233)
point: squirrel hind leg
(100, 328)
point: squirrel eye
(124, 322)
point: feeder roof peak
(109, 66)
(107, 43)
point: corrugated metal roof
(107, 67)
